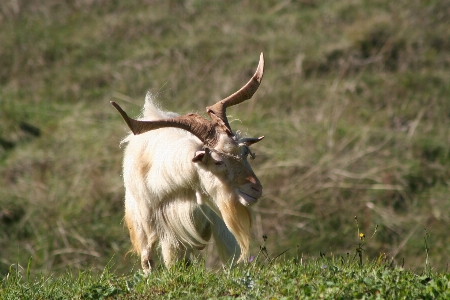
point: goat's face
(227, 168)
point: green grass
(354, 106)
(264, 276)
(321, 278)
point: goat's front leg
(227, 246)
(173, 253)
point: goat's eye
(219, 163)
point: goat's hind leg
(147, 254)
(142, 237)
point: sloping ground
(313, 279)
(354, 106)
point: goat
(187, 178)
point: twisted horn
(218, 111)
(207, 131)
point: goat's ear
(199, 155)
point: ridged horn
(207, 131)
(218, 111)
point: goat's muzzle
(249, 193)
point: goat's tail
(153, 111)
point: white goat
(188, 180)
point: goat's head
(224, 153)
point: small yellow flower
(361, 236)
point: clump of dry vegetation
(354, 106)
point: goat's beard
(237, 217)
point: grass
(354, 106)
(263, 278)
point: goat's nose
(252, 185)
(257, 187)
(253, 180)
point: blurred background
(355, 107)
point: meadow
(321, 278)
(354, 104)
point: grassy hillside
(323, 278)
(354, 105)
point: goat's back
(158, 163)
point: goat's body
(187, 178)
(162, 195)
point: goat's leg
(224, 240)
(148, 249)
(143, 238)
(202, 223)
(147, 254)
(172, 253)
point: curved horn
(250, 141)
(205, 130)
(218, 111)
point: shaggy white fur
(179, 204)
